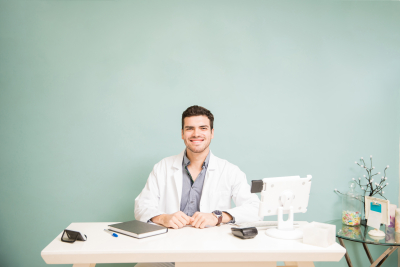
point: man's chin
(197, 149)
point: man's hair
(198, 111)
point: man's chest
(194, 172)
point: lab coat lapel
(209, 183)
(177, 165)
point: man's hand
(175, 220)
(200, 220)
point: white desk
(209, 247)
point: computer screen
(284, 195)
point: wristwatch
(218, 214)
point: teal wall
(91, 94)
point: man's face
(197, 133)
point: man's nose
(196, 132)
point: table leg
(305, 264)
(371, 260)
(299, 264)
(384, 256)
(84, 265)
(225, 264)
(346, 255)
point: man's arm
(175, 220)
(202, 219)
(247, 204)
(226, 217)
(147, 203)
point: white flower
(362, 166)
(385, 178)
(376, 183)
(362, 188)
(387, 183)
(359, 178)
(355, 162)
(387, 166)
(335, 190)
(379, 172)
(370, 156)
(362, 158)
(364, 175)
(383, 192)
(372, 180)
(353, 179)
(373, 167)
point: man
(195, 187)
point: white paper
(374, 219)
(384, 208)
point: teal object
(92, 92)
(376, 207)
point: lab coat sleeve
(147, 203)
(247, 204)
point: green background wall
(91, 94)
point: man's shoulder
(225, 164)
(170, 160)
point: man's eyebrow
(201, 126)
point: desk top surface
(214, 244)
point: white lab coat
(223, 182)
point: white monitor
(284, 195)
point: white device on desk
(261, 224)
(284, 195)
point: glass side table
(360, 234)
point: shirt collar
(186, 161)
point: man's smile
(196, 141)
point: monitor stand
(286, 228)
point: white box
(319, 234)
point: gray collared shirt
(191, 190)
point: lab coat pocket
(224, 200)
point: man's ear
(212, 133)
(182, 134)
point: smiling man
(195, 187)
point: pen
(113, 234)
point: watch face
(217, 212)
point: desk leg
(305, 264)
(384, 256)
(299, 264)
(84, 265)
(371, 260)
(225, 264)
(346, 255)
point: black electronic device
(244, 233)
(71, 236)
(257, 186)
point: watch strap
(220, 219)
